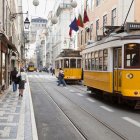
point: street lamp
(35, 2)
(26, 23)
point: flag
(86, 19)
(70, 32)
(74, 25)
(80, 21)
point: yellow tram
(112, 67)
(31, 67)
(71, 63)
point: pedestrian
(53, 71)
(61, 78)
(22, 80)
(13, 79)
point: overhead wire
(45, 7)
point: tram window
(78, 63)
(73, 63)
(105, 56)
(100, 63)
(66, 63)
(92, 64)
(100, 60)
(89, 64)
(96, 61)
(132, 55)
(62, 64)
(86, 64)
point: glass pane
(89, 63)
(73, 63)
(92, 64)
(78, 63)
(66, 63)
(132, 55)
(86, 64)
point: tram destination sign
(132, 26)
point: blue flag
(74, 25)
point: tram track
(81, 108)
(68, 118)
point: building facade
(10, 38)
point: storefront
(6, 49)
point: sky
(37, 11)
(41, 10)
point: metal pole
(128, 13)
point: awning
(10, 45)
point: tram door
(117, 68)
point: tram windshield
(73, 63)
(132, 56)
(78, 63)
(66, 63)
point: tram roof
(115, 36)
(69, 53)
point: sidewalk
(17, 120)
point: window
(89, 61)
(73, 63)
(132, 56)
(92, 61)
(105, 57)
(104, 21)
(97, 2)
(96, 61)
(62, 63)
(100, 60)
(78, 63)
(97, 26)
(66, 63)
(91, 29)
(113, 19)
(86, 62)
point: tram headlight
(136, 92)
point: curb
(34, 129)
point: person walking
(13, 78)
(22, 80)
(61, 78)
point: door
(117, 69)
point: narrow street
(73, 114)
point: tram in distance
(31, 67)
(70, 61)
(112, 67)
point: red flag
(86, 19)
(70, 32)
(80, 21)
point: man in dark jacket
(61, 78)
(13, 79)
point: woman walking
(22, 80)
